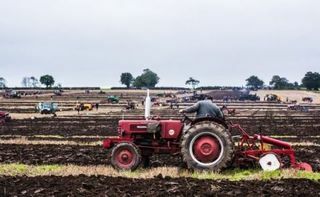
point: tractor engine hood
(168, 128)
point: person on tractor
(205, 108)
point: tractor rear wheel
(125, 156)
(207, 146)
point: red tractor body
(158, 136)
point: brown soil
(68, 154)
(309, 126)
(63, 127)
(52, 154)
(159, 186)
(96, 155)
(48, 138)
(309, 154)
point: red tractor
(205, 144)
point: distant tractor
(249, 97)
(272, 98)
(11, 94)
(200, 97)
(307, 99)
(196, 97)
(47, 107)
(4, 117)
(113, 99)
(84, 106)
(130, 105)
(58, 92)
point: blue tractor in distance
(47, 107)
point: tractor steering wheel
(186, 118)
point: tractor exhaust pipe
(147, 106)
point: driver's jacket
(205, 109)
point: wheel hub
(125, 157)
(206, 149)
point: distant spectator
(97, 106)
(81, 106)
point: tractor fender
(210, 119)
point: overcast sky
(91, 42)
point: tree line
(33, 82)
(149, 79)
(310, 81)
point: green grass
(233, 175)
(17, 169)
(46, 169)
(22, 169)
(13, 169)
(256, 174)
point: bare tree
(25, 82)
(2, 82)
(193, 82)
(30, 82)
(34, 82)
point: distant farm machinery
(8, 94)
(307, 99)
(4, 117)
(84, 106)
(46, 107)
(249, 97)
(273, 98)
(113, 99)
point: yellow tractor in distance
(84, 106)
(272, 98)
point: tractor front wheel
(207, 146)
(125, 156)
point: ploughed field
(267, 123)
(77, 140)
(39, 154)
(158, 186)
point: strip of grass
(17, 169)
(257, 174)
(22, 169)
